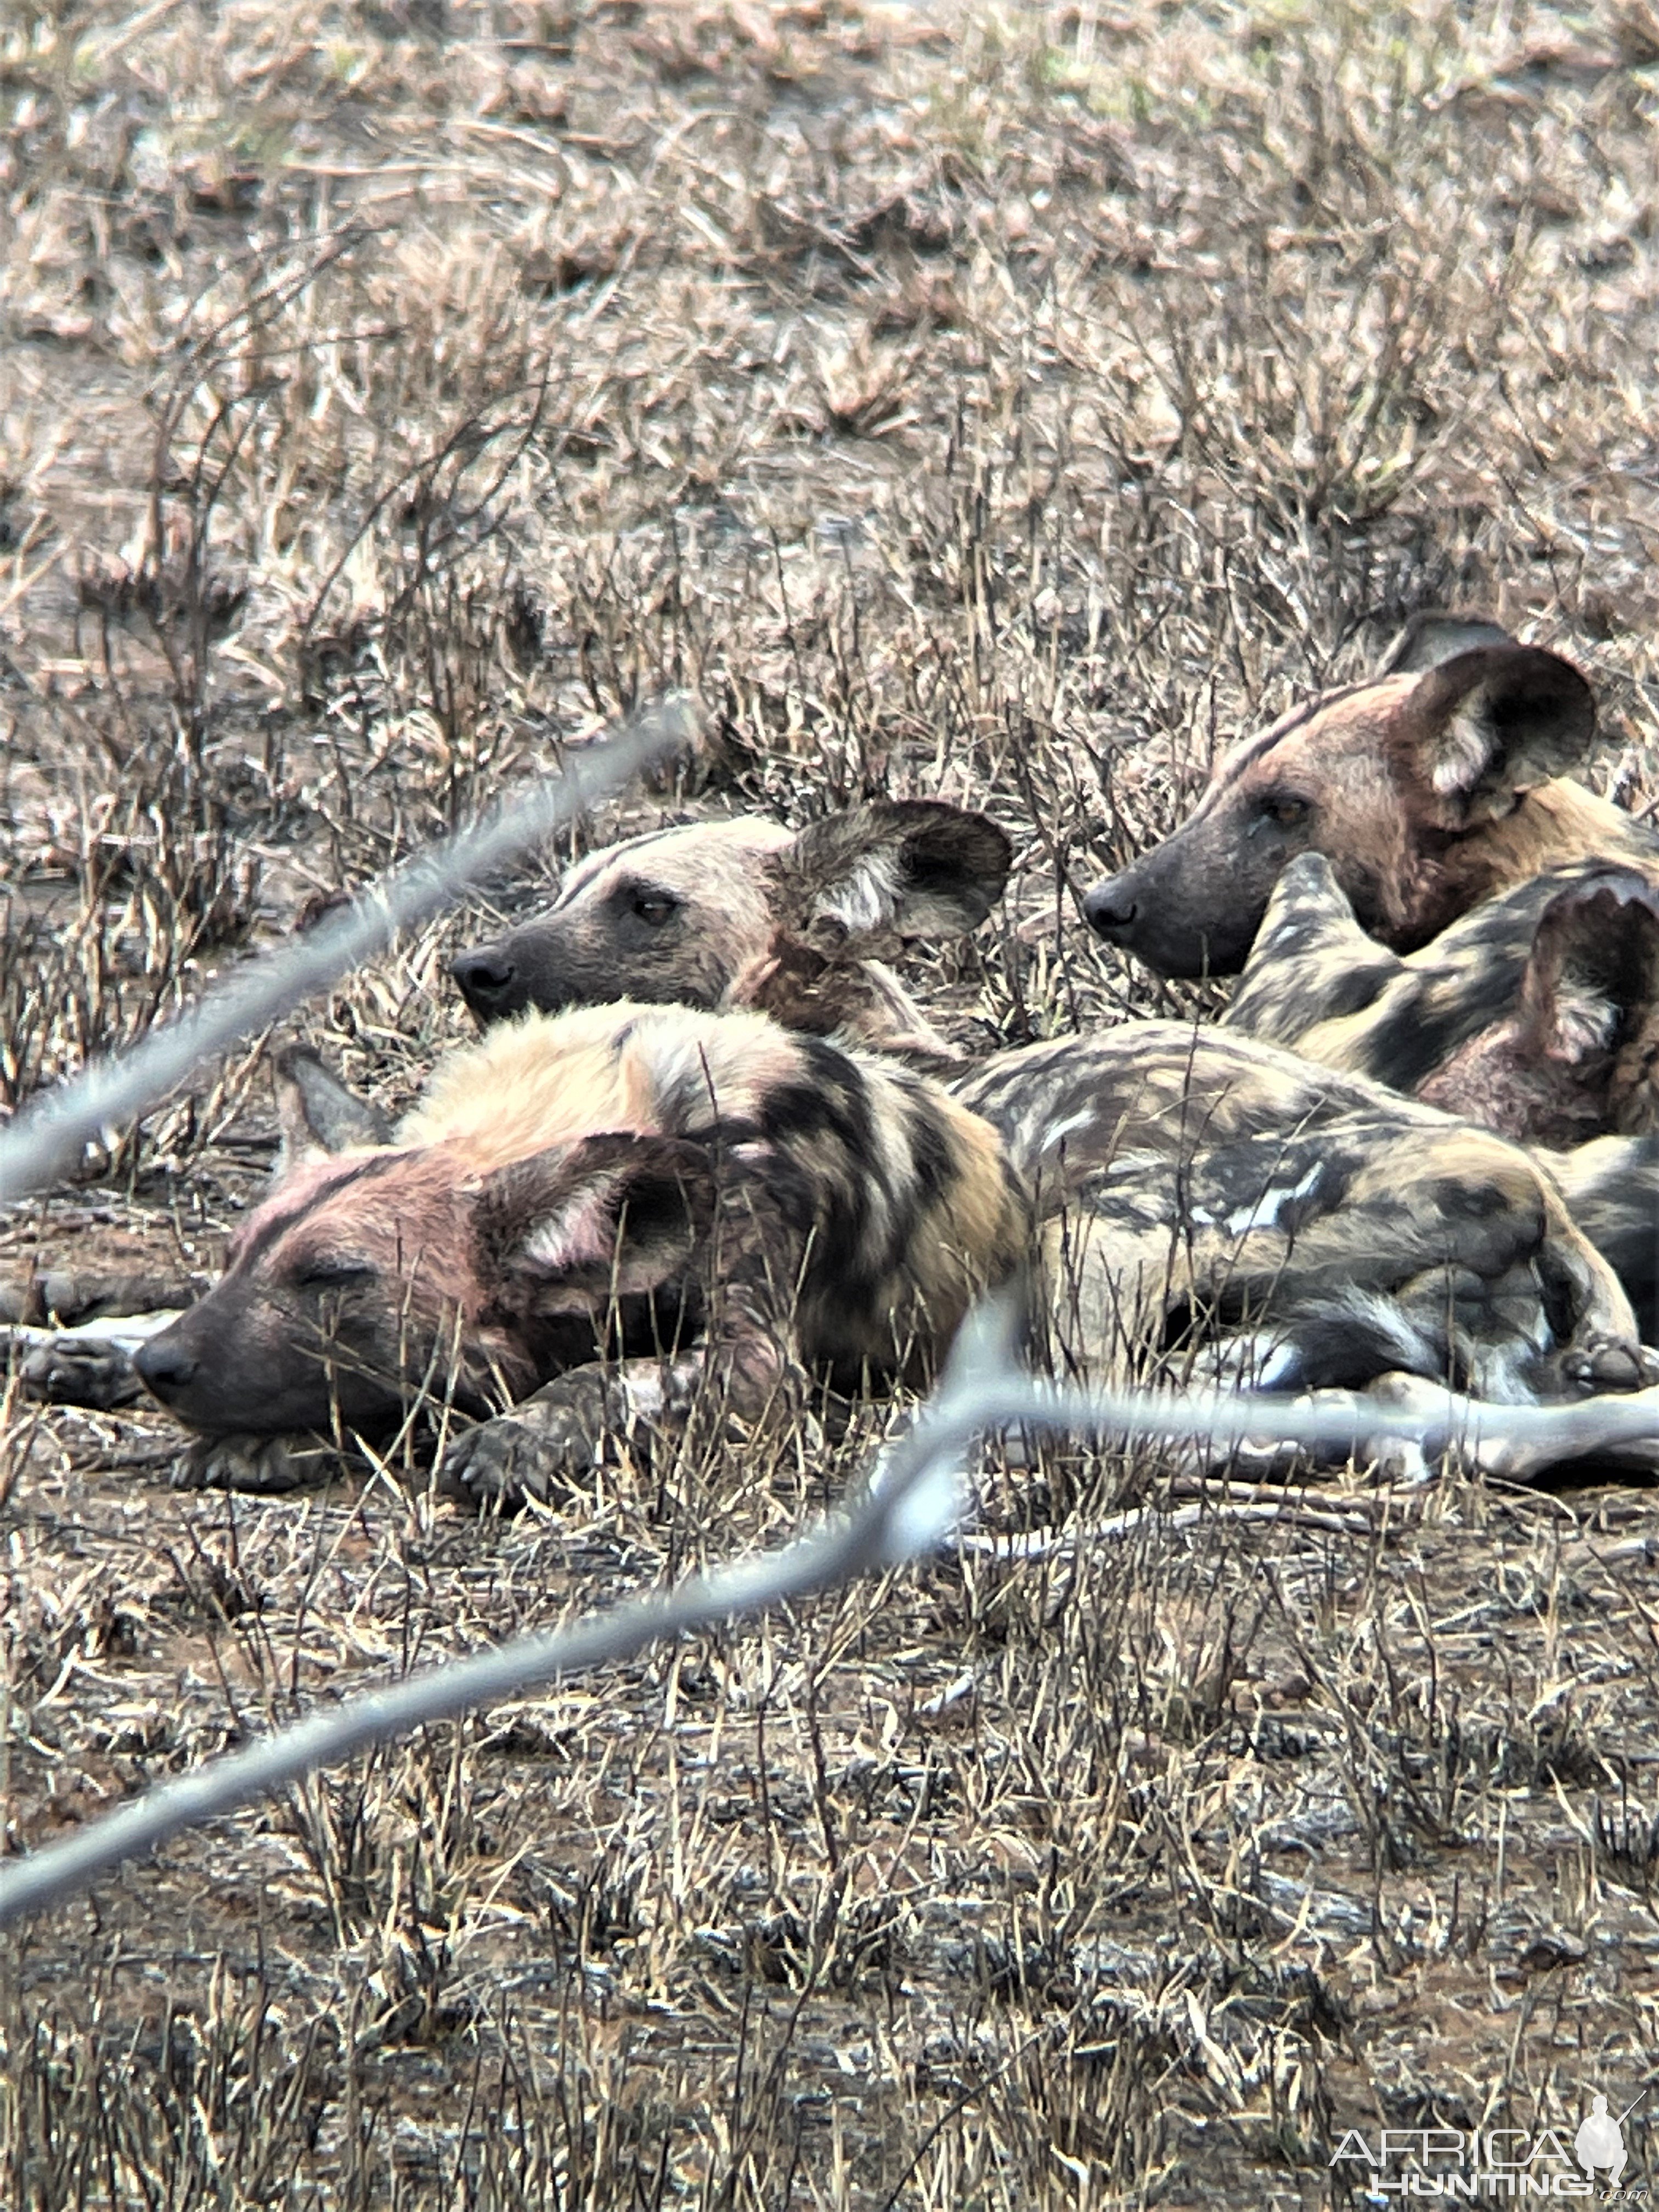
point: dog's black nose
(485, 978)
(1109, 908)
(164, 1367)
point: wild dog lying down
(800, 942)
(610, 1210)
(600, 1213)
(682, 915)
(1315, 1231)
(1537, 1014)
(689, 916)
(1428, 788)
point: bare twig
(912, 1502)
(49, 1134)
(909, 1505)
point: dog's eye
(1285, 808)
(336, 1274)
(653, 907)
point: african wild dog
(822, 983)
(1537, 1013)
(690, 916)
(1420, 803)
(1429, 787)
(607, 1209)
(1313, 1229)
(721, 1203)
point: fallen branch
(50, 1133)
(911, 1501)
(1065, 1543)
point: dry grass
(1000, 407)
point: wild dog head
(682, 908)
(1426, 788)
(368, 1277)
(746, 912)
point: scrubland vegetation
(999, 405)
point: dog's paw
(517, 1456)
(1611, 1363)
(260, 1466)
(81, 1370)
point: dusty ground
(997, 405)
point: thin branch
(912, 1501)
(49, 1134)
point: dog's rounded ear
(955, 867)
(317, 1116)
(1433, 636)
(567, 1228)
(1594, 966)
(892, 869)
(1478, 730)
